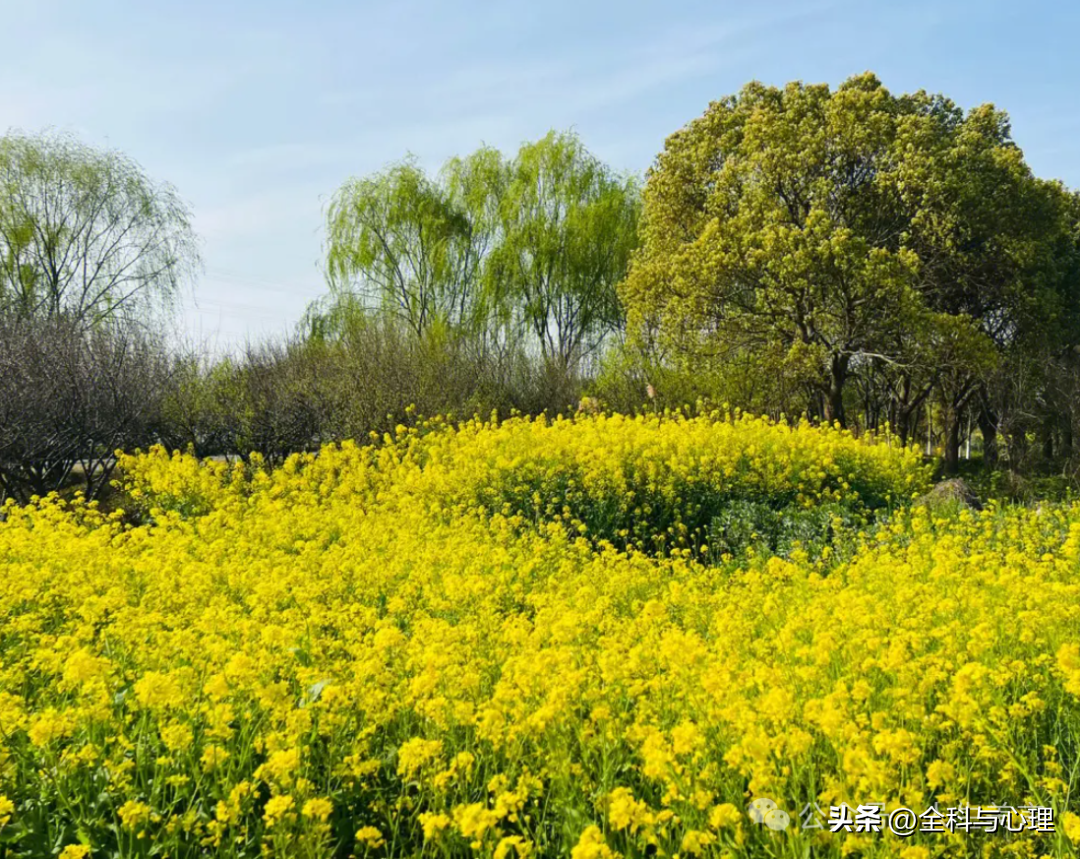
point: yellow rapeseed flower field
(526, 639)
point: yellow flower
(83, 666)
(724, 816)
(431, 619)
(696, 843)
(1071, 826)
(516, 843)
(417, 753)
(156, 690)
(370, 837)
(212, 757)
(626, 812)
(939, 773)
(217, 686)
(278, 808)
(50, 725)
(433, 824)
(318, 808)
(281, 765)
(133, 813)
(75, 851)
(591, 845)
(1068, 660)
(474, 819)
(176, 737)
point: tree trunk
(1048, 439)
(903, 424)
(834, 402)
(989, 430)
(952, 441)
(929, 430)
(1018, 449)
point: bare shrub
(71, 396)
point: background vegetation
(849, 255)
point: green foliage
(767, 530)
(411, 247)
(504, 249)
(642, 492)
(760, 229)
(632, 378)
(568, 225)
(854, 235)
(86, 234)
(202, 410)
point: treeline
(849, 254)
(488, 289)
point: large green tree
(873, 234)
(85, 233)
(995, 248)
(767, 222)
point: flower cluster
(467, 641)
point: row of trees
(500, 249)
(70, 395)
(850, 254)
(863, 257)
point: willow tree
(527, 249)
(568, 224)
(86, 234)
(397, 242)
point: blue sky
(258, 111)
